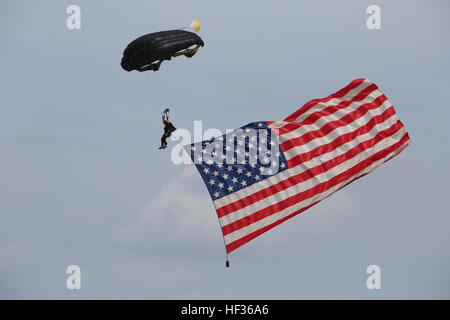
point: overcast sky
(82, 181)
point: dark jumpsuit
(168, 129)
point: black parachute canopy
(147, 52)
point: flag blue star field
(266, 172)
(238, 159)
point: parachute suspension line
(159, 85)
(165, 76)
(169, 84)
(150, 85)
(165, 84)
(160, 76)
(156, 80)
(153, 88)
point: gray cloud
(180, 217)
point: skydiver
(168, 128)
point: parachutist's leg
(163, 140)
(163, 143)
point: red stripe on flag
(316, 115)
(341, 140)
(360, 166)
(308, 174)
(332, 125)
(354, 84)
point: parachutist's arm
(165, 114)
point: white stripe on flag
(275, 179)
(312, 182)
(339, 114)
(337, 132)
(236, 235)
(323, 105)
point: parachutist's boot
(163, 145)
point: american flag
(266, 172)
